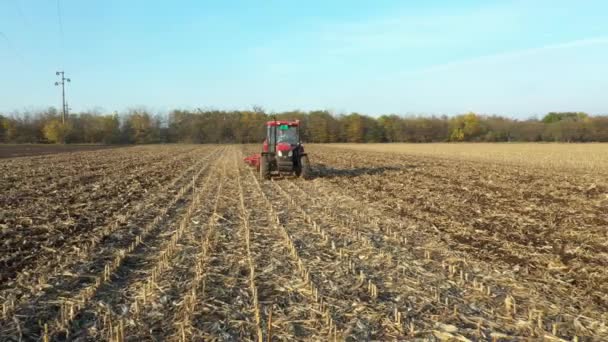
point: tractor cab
(281, 136)
(282, 151)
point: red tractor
(282, 152)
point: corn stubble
(184, 243)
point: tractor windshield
(287, 134)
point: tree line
(215, 126)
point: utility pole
(62, 82)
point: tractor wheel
(264, 168)
(304, 167)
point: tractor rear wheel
(304, 167)
(264, 168)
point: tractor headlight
(290, 154)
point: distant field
(18, 150)
(186, 243)
(592, 157)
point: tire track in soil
(494, 215)
(357, 315)
(466, 193)
(147, 289)
(244, 216)
(35, 170)
(226, 309)
(536, 306)
(190, 289)
(19, 255)
(29, 196)
(34, 283)
(476, 188)
(121, 216)
(547, 278)
(288, 308)
(408, 281)
(61, 301)
(80, 168)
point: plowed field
(184, 243)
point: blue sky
(515, 58)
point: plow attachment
(253, 160)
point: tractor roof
(294, 123)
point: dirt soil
(185, 243)
(23, 150)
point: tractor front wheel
(264, 168)
(304, 167)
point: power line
(9, 42)
(63, 79)
(24, 19)
(5, 38)
(61, 34)
(12, 47)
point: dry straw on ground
(185, 243)
(591, 157)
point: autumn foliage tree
(56, 131)
(3, 122)
(465, 127)
(140, 126)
